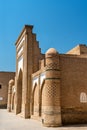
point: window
(0, 86)
(1, 98)
(83, 97)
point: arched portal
(33, 99)
(19, 91)
(13, 101)
(35, 93)
(41, 99)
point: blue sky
(61, 24)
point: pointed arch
(13, 101)
(19, 91)
(35, 100)
(41, 98)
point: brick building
(50, 87)
(4, 79)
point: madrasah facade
(50, 87)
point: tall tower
(51, 90)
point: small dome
(51, 51)
(11, 82)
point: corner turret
(51, 100)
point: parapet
(78, 50)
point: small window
(0, 86)
(83, 97)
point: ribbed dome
(51, 51)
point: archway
(13, 101)
(19, 91)
(35, 100)
(41, 98)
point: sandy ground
(10, 121)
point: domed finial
(11, 82)
(51, 52)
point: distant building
(50, 87)
(4, 79)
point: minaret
(51, 90)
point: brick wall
(73, 82)
(79, 49)
(4, 79)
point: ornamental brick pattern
(52, 66)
